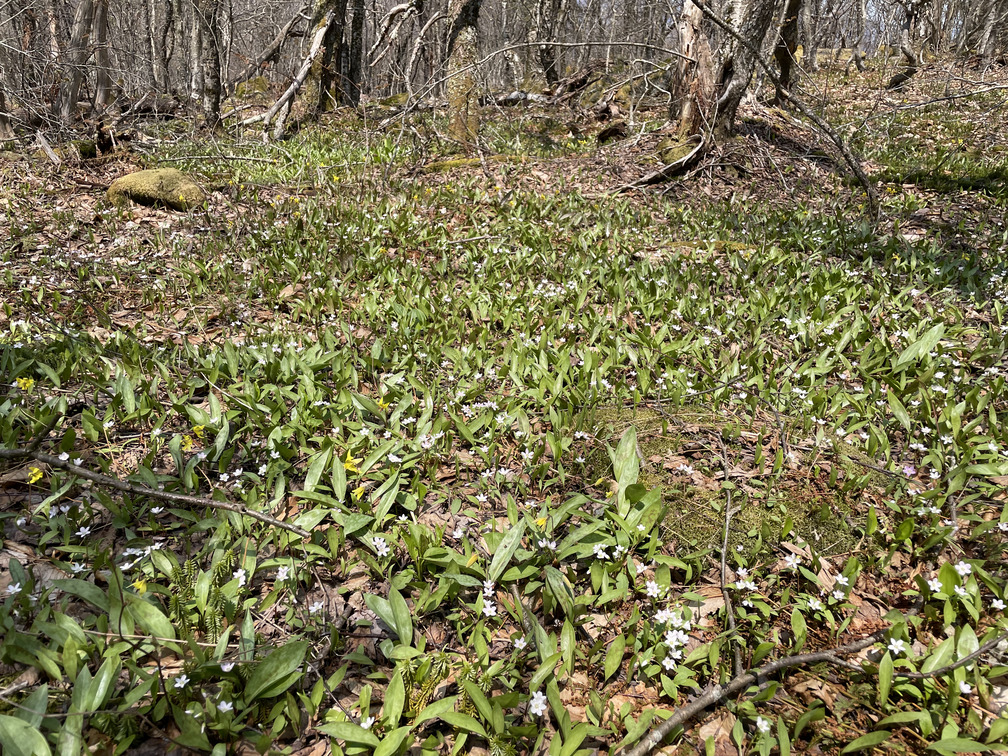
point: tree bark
(463, 103)
(787, 44)
(753, 19)
(692, 88)
(77, 54)
(810, 51)
(207, 17)
(6, 130)
(195, 53)
(103, 65)
(857, 55)
(544, 30)
(160, 24)
(357, 54)
(906, 47)
(328, 88)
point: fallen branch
(671, 169)
(271, 50)
(151, 493)
(740, 683)
(313, 51)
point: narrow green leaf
(271, 676)
(867, 741)
(401, 616)
(505, 550)
(885, 678)
(349, 732)
(395, 698)
(614, 655)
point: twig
(138, 490)
(742, 682)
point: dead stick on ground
(138, 490)
(740, 683)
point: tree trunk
(906, 47)
(77, 54)
(195, 53)
(206, 16)
(753, 19)
(693, 86)
(857, 55)
(544, 30)
(6, 130)
(357, 54)
(103, 65)
(463, 104)
(160, 24)
(808, 29)
(331, 86)
(787, 44)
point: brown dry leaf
(290, 290)
(719, 728)
(812, 689)
(319, 748)
(704, 611)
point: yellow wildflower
(26, 384)
(187, 443)
(140, 585)
(198, 430)
(358, 492)
(34, 475)
(350, 464)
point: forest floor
(387, 448)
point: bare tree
(787, 44)
(207, 19)
(76, 56)
(463, 104)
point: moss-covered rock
(160, 186)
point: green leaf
(401, 616)
(435, 709)
(272, 676)
(963, 745)
(545, 670)
(395, 697)
(885, 675)
(899, 411)
(505, 550)
(867, 741)
(391, 742)
(316, 468)
(350, 732)
(921, 347)
(84, 590)
(799, 627)
(479, 699)
(988, 470)
(18, 738)
(626, 468)
(150, 617)
(614, 655)
(561, 589)
(463, 722)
